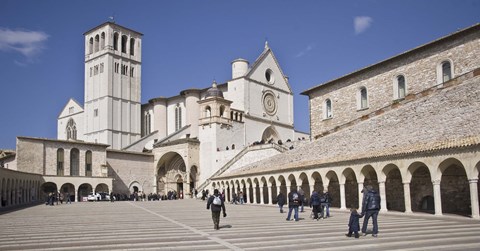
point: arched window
(124, 43)
(74, 162)
(362, 98)
(178, 118)
(71, 130)
(231, 115)
(60, 161)
(241, 115)
(401, 88)
(90, 46)
(446, 71)
(88, 164)
(102, 41)
(97, 42)
(208, 112)
(132, 46)
(147, 123)
(222, 110)
(115, 41)
(328, 109)
(233, 146)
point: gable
(72, 107)
(267, 71)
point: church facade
(112, 142)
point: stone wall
(129, 167)
(419, 67)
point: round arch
(270, 134)
(394, 188)
(168, 168)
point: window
(74, 162)
(88, 164)
(60, 161)
(95, 112)
(71, 130)
(102, 41)
(446, 71)
(269, 76)
(116, 67)
(91, 71)
(101, 68)
(115, 41)
(95, 70)
(328, 109)
(90, 46)
(132, 46)
(97, 42)
(208, 112)
(222, 110)
(363, 98)
(71, 110)
(124, 44)
(147, 123)
(131, 71)
(178, 118)
(401, 89)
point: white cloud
(305, 51)
(28, 43)
(362, 23)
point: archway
(101, 188)
(179, 188)
(305, 186)
(421, 190)
(68, 190)
(170, 166)
(334, 188)
(270, 134)
(394, 189)
(370, 177)
(454, 187)
(48, 187)
(83, 191)
(351, 188)
(193, 180)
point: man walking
(217, 203)
(370, 208)
(293, 203)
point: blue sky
(187, 44)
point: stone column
(248, 194)
(270, 198)
(437, 196)
(342, 196)
(408, 200)
(262, 200)
(254, 194)
(360, 195)
(474, 198)
(383, 197)
(312, 188)
(76, 196)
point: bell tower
(113, 60)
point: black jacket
(216, 208)
(354, 222)
(371, 201)
(281, 199)
(291, 201)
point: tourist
(240, 196)
(217, 204)
(328, 203)
(354, 223)
(301, 195)
(315, 204)
(280, 201)
(370, 208)
(293, 203)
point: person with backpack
(315, 203)
(217, 205)
(293, 203)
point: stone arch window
(90, 46)
(147, 123)
(60, 161)
(362, 99)
(400, 87)
(115, 41)
(132, 46)
(328, 109)
(233, 146)
(97, 42)
(231, 115)
(222, 110)
(124, 43)
(208, 112)
(241, 115)
(236, 116)
(102, 41)
(446, 71)
(71, 130)
(178, 117)
(74, 162)
(88, 163)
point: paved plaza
(187, 225)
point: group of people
(320, 204)
(55, 197)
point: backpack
(295, 197)
(217, 201)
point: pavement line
(202, 233)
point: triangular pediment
(72, 107)
(266, 70)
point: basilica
(407, 126)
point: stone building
(114, 143)
(407, 125)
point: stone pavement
(187, 225)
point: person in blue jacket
(370, 208)
(354, 223)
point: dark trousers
(316, 210)
(374, 215)
(354, 232)
(216, 220)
